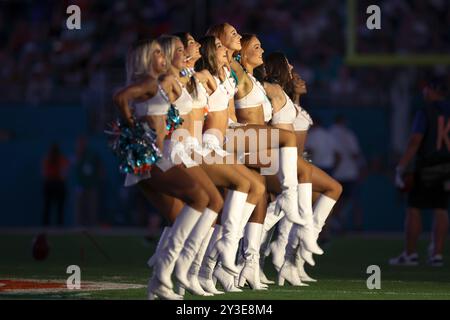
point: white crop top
(157, 105)
(218, 100)
(201, 100)
(287, 114)
(303, 120)
(184, 101)
(256, 97)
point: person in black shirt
(429, 146)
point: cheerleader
(209, 95)
(145, 63)
(178, 95)
(253, 106)
(287, 115)
(211, 65)
(253, 101)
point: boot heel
(151, 262)
(277, 209)
(307, 256)
(280, 281)
(242, 281)
(253, 285)
(180, 289)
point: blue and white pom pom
(135, 147)
(173, 120)
(187, 72)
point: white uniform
(303, 120)
(155, 106)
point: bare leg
(257, 139)
(167, 206)
(177, 183)
(215, 199)
(315, 196)
(325, 184)
(226, 176)
(259, 214)
(257, 183)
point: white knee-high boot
(289, 270)
(300, 263)
(252, 243)
(196, 265)
(161, 244)
(231, 221)
(155, 289)
(181, 229)
(272, 218)
(246, 214)
(191, 248)
(307, 232)
(278, 247)
(287, 174)
(205, 274)
(307, 256)
(322, 209)
(262, 255)
(266, 236)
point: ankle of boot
(251, 257)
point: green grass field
(341, 271)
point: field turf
(341, 271)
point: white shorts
(212, 143)
(174, 153)
(192, 146)
(132, 179)
(233, 125)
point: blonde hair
(139, 60)
(168, 44)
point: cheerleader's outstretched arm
(139, 90)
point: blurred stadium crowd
(43, 62)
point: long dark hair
(260, 73)
(191, 86)
(277, 69)
(217, 30)
(208, 60)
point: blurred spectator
(54, 170)
(347, 171)
(42, 60)
(322, 147)
(40, 86)
(344, 85)
(427, 184)
(88, 175)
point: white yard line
(85, 286)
